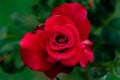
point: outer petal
(77, 14)
(33, 52)
(88, 43)
(90, 55)
(83, 60)
(57, 69)
(87, 54)
(88, 50)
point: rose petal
(83, 60)
(78, 15)
(61, 26)
(89, 54)
(57, 69)
(58, 55)
(70, 28)
(33, 53)
(57, 20)
(63, 31)
(70, 9)
(88, 50)
(75, 58)
(88, 43)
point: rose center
(61, 39)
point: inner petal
(61, 39)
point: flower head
(59, 44)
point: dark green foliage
(112, 33)
(20, 16)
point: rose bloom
(61, 43)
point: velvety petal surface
(59, 21)
(33, 53)
(87, 55)
(57, 55)
(88, 50)
(61, 30)
(68, 29)
(77, 14)
(83, 60)
(56, 20)
(74, 60)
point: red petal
(88, 49)
(64, 31)
(77, 14)
(33, 52)
(75, 58)
(57, 69)
(57, 20)
(89, 54)
(61, 55)
(83, 60)
(69, 30)
(88, 43)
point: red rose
(61, 43)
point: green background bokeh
(20, 16)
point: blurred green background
(20, 16)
